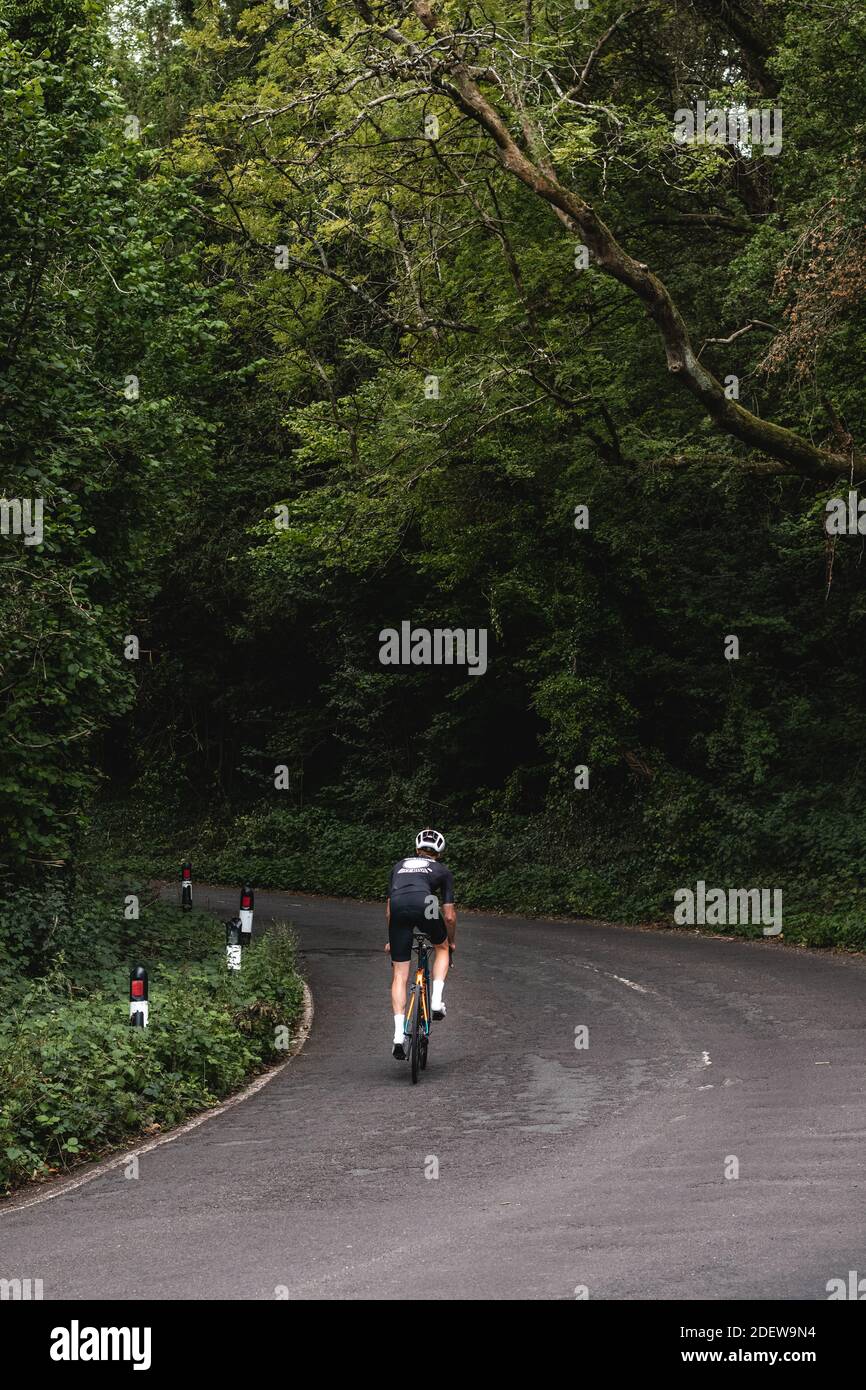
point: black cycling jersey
(414, 881)
(418, 877)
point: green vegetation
(502, 862)
(76, 1080)
(237, 205)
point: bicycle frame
(422, 978)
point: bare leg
(440, 970)
(441, 962)
(399, 980)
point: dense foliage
(284, 259)
(99, 287)
(76, 1080)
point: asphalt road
(602, 1168)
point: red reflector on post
(136, 989)
(245, 900)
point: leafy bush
(75, 1079)
(30, 914)
(536, 865)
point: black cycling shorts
(404, 920)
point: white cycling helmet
(430, 839)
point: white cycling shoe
(439, 1014)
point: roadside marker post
(138, 997)
(233, 943)
(185, 885)
(246, 914)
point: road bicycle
(417, 1026)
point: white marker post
(185, 885)
(138, 1007)
(246, 915)
(233, 943)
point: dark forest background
(152, 159)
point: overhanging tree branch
(461, 88)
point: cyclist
(416, 886)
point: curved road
(558, 1168)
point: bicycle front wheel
(424, 1028)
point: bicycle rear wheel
(416, 1034)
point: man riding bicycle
(417, 886)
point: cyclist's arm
(388, 921)
(449, 912)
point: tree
(101, 342)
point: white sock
(438, 986)
(399, 1022)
